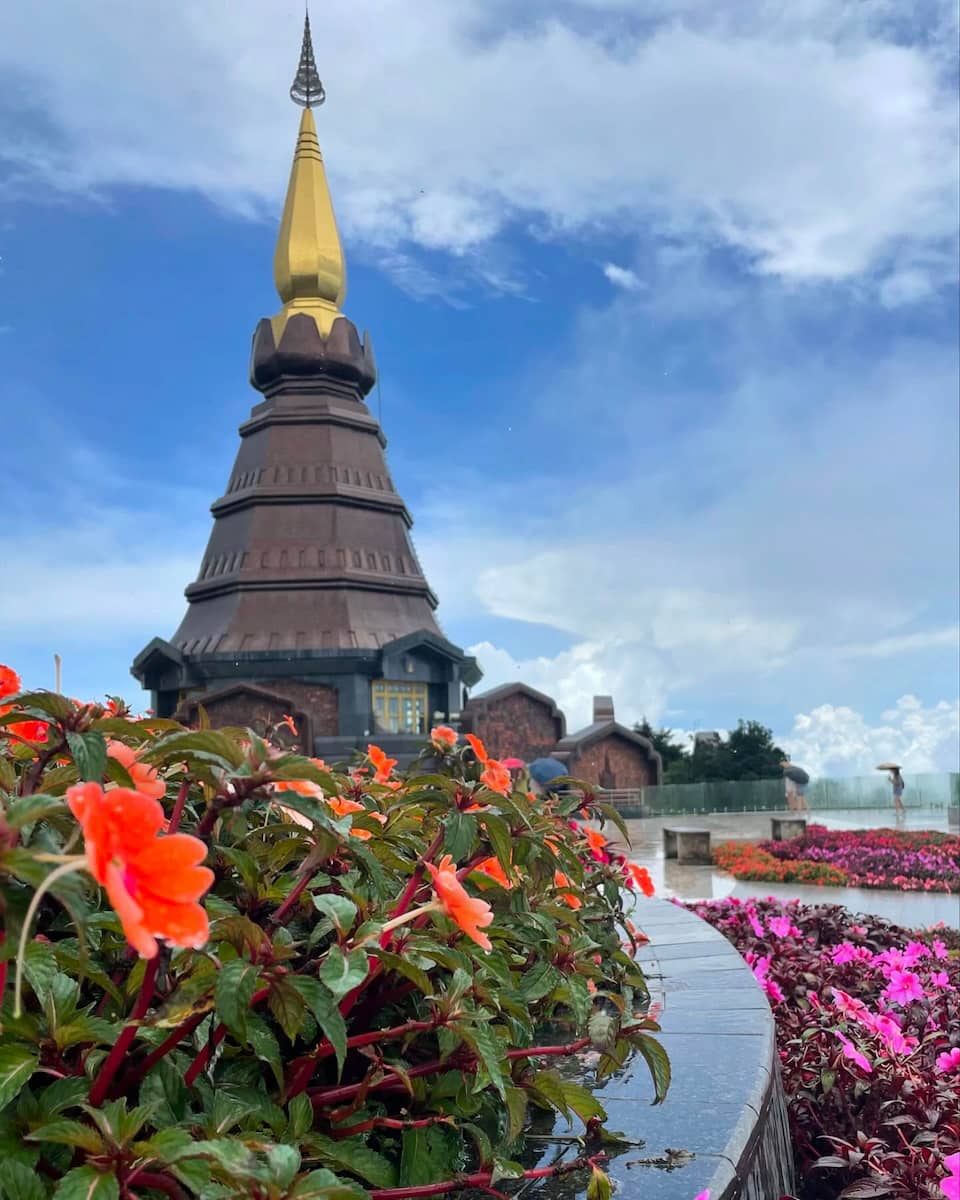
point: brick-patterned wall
(516, 726)
(613, 762)
(313, 707)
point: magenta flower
(754, 923)
(950, 1186)
(848, 1006)
(850, 1051)
(704, 1195)
(914, 952)
(903, 988)
(939, 950)
(843, 953)
(782, 927)
(949, 1061)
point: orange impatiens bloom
(494, 868)
(343, 807)
(478, 747)
(382, 764)
(443, 736)
(470, 913)
(144, 777)
(30, 731)
(562, 881)
(154, 883)
(596, 841)
(496, 777)
(641, 877)
(290, 724)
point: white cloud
(765, 130)
(833, 740)
(622, 277)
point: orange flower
(478, 748)
(591, 986)
(154, 883)
(597, 841)
(290, 724)
(342, 806)
(363, 834)
(383, 764)
(30, 731)
(144, 777)
(493, 868)
(443, 736)
(471, 914)
(9, 681)
(304, 786)
(562, 881)
(554, 848)
(496, 777)
(641, 877)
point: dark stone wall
(313, 707)
(516, 725)
(613, 762)
(318, 700)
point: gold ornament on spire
(308, 265)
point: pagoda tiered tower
(310, 599)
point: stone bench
(783, 829)
(686, 844)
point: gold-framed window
(400, 707)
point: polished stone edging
(726, 1104)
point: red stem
(214, 1041)
(179, 805)
(481, 1179)
(327, 1097)
(345, 1131)
(159, 1183)
(549, 1051)
(168, 1044)
(413, 883)
(296, 892)
(101, 1085)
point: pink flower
(847, 952)
(704, 1195)
(814, 998)
(754, 923)
(848, 1006)
(890, 960)
(914, 952)
(950, 1186)
(940, 950)
(941, 979)
(782, 927)
(949, 1061)
(850, 1051)
(903, 987)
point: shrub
(868, 1032)
(296, 982)
(746, 860)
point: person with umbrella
(795, 780)
(897, 784)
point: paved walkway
(912, 909)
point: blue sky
(665, 313)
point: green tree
(670, 752)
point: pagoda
(310, 600)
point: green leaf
(340, 909)
(402, 966)
(232, 1155)
(609, 813)
(540, 981)
(547, 1088)
(516, 1099)
(89, 752)
(657, 1061)
(354, 1155)
(599, 1187)
(288, 1007)
(236, 983)
(47, 704)
(488, 1048)
(17, 1064)
(86, 1183)
(63, 1094)
(324, 1008)
(20, 1182)
(579, 998)
(428, 1155)
(460, 832)
(324, 1185)
(264, 1045)
(582, 1101)
(40, 967)
(27, 809)
(342, 973)
(284, 1163)
(301, 1117)
(166, 1146)
(207, 745)
(498, 835)
(65, 1132)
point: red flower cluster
(746, 860)
(27, 731)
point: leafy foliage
(748, 753)
(872, 1083)
(341, 1034)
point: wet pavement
(683, 882)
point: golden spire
(308, 264)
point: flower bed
(871, 858)
(231, 971)
(868, 1031)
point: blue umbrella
(544, 770)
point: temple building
(309, 599)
